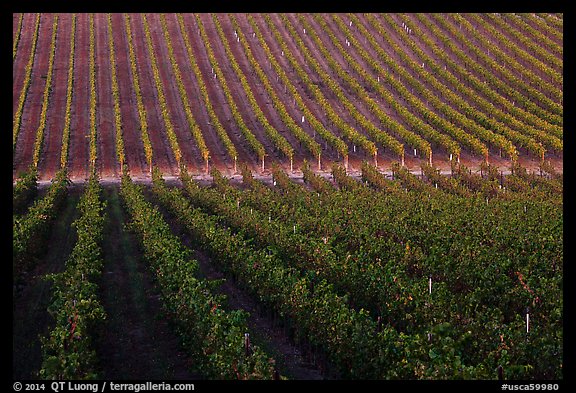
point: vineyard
(288, 196)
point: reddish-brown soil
(22, 58)
(24, 151)
(107, 162)
(131, 135)
(78, 152)
(50, 157)
(219, 157)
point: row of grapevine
(192, 124)
(279, 141)
(410, 181)
(371, 176)
(69, 94)
(68, 351)
(552, 109)
(344, 182)
(317, 182)
(557, 23)
(30, 231)
(93, 94)
(172, 138)
(16, 39)
(17, 123)
(538, 36)
(475, 182)
(350, 133)
(254, 144)
(230, 148)
(142, 116)
(412, 242)
(423, 127)
(214, 337)
(308, 115)
(445, 183)
(46, 97)
(288, 121)
(120, 154)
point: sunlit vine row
(142, 116)
(46, 97)
(17, 123)
(69, 95)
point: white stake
(527, 322)
(294, 229)
(302, 118)
(430, 285)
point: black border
(345, 6)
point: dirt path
(137, 342)
(30, 317)
(106, 161)
(22, 57)
(78, 157)
(50, 157)
(24, 151)
(132, 138)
